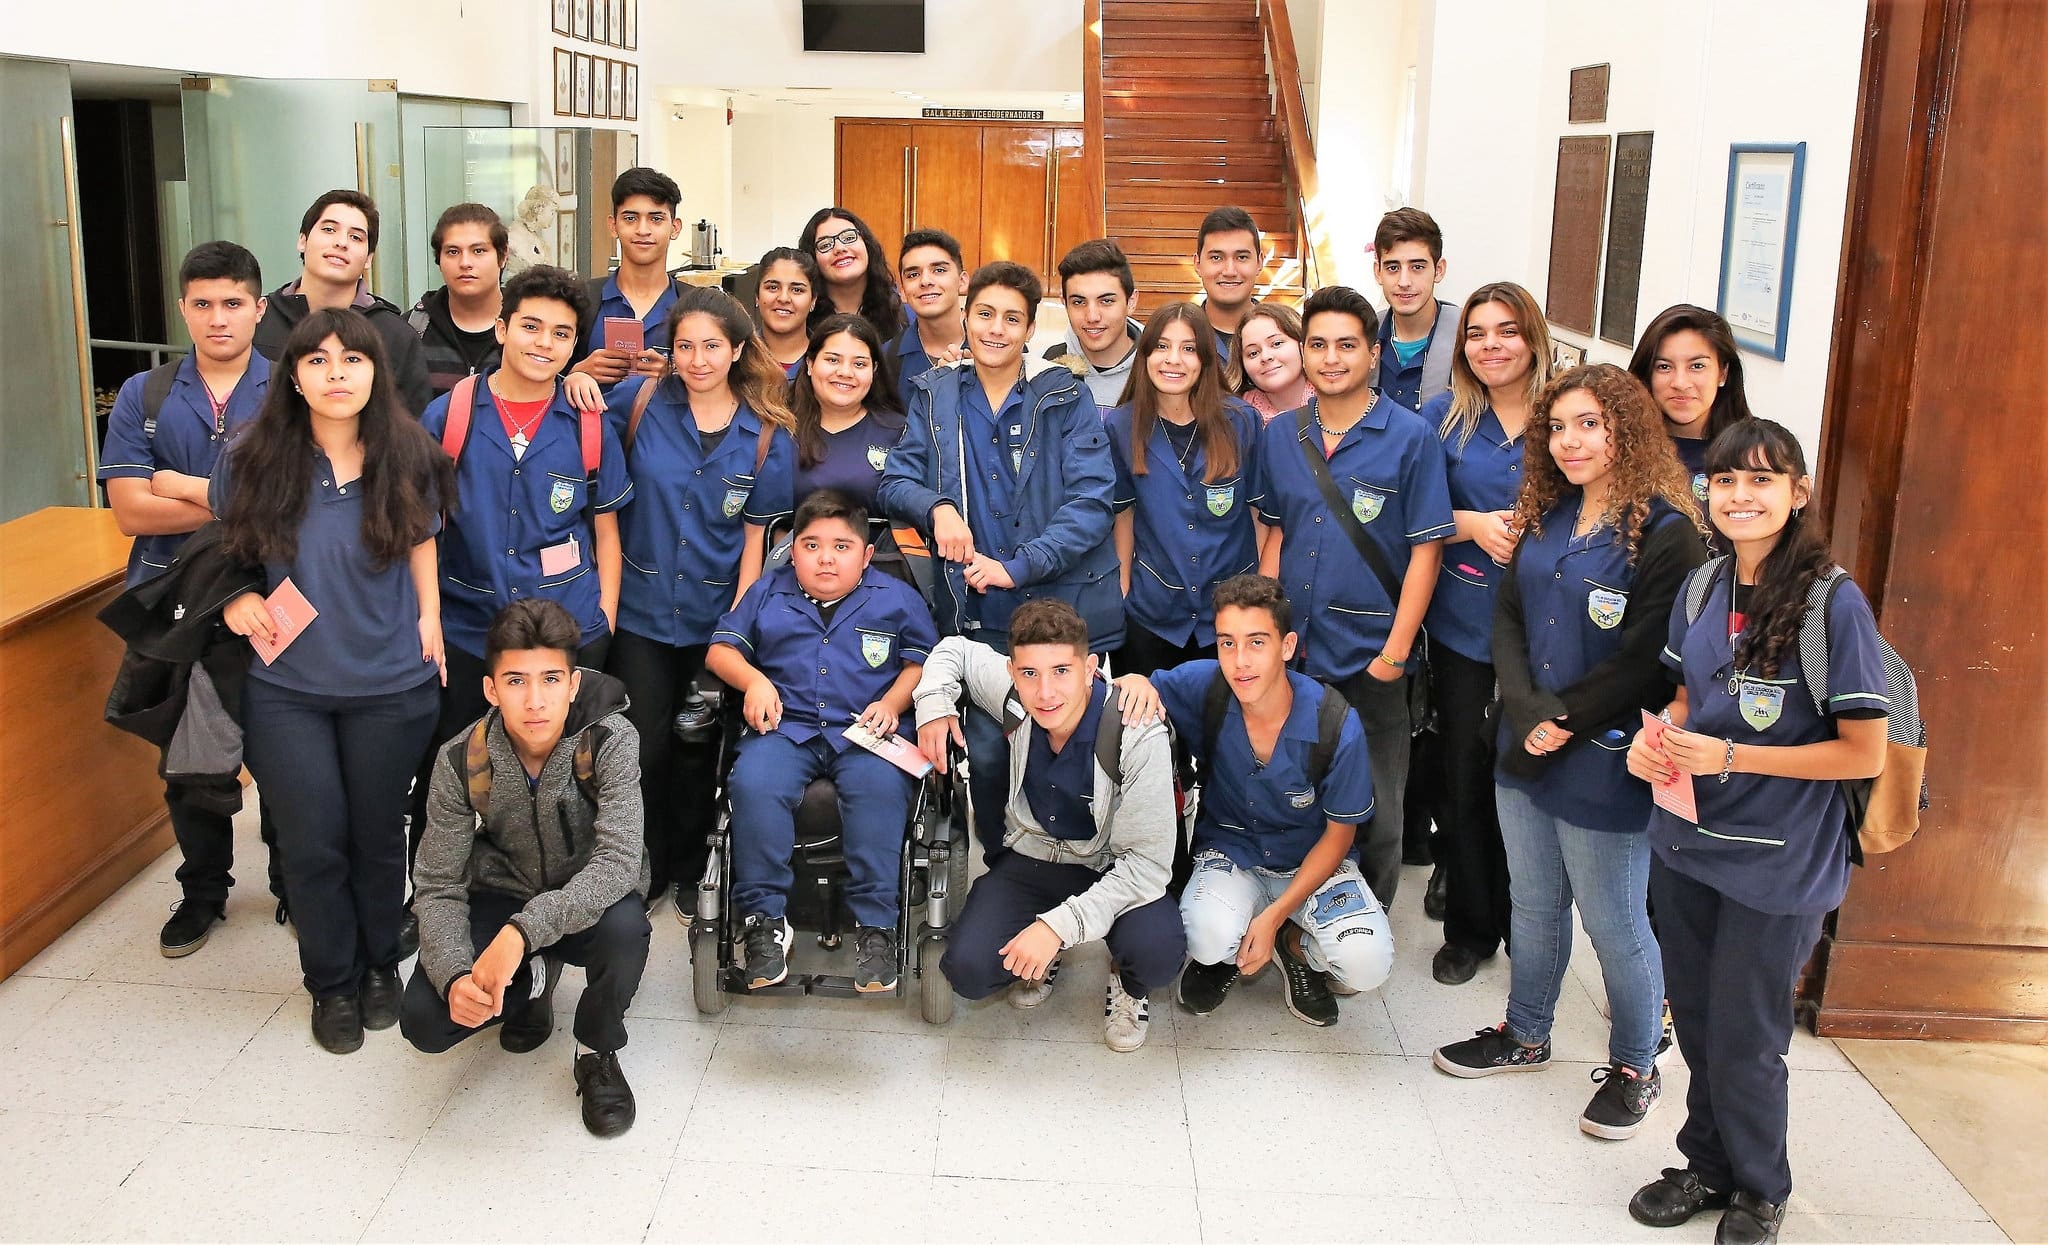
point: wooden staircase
(1190, 120)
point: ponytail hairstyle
(756, 378)
(1285, 318)
(1731, 401)
(1468, 396)
(1212, 420)
(407, 479)
(1646, 467)
(879, 301)
(1801, 556)
(807, 414)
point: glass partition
(537, 178)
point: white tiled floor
(144, 1098)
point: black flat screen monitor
(863, 25)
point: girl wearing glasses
(855, 271)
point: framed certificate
(582, 101)
(618, 109)
(561, 24)
(632, 92)
(580, 18)
(599, 28)
(600, 88)
(565, 82)
(1759, 241)
(615, 25)
(632, 24)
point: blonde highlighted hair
(1469, 398)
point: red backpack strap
(590, 434)
(640, 401)
(461, 405)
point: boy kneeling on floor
(814, 647)
(507, 890)
(1088, 828)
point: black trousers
(677, 782)
(1422, 798)
(206, 844)
(1383, 712)
(1468, 845)
(1146, 944)
(1729, 972)
(611, 953)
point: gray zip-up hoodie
(1105, 384)
(1133, 843)
(569, 859)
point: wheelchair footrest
(829, 985)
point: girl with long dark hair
(1741, 889)
(843, 405)
(1608, 532)
(709, 451)
(783, 302)
(337, 489)
(855, 269)
(1687, 359)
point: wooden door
(945, 183)
(1070, 217)
(873, 163)
(1016, 196)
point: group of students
(1255, 515)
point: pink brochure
(1674, 797)
(894, 749)
(290, 613)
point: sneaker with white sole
(1489, 1051)
(1125, 1017)
(1621, 1103)
(765, 943)
(1026, 994)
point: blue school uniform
(1778, 845)
(1405, 368)
(1267, 815)
(1483, 473)
(1692, 451)
(911, 362)
(187, 440)
(512, 506)
(613, 305)
(1390, 466)
(365, 640)
(1189, 534)
(828, 672)
(1060, 786)
(853, 459)
(682, 537)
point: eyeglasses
(830, 242)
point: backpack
(156, 390)
(589, 437)
(1109, 744)
(476, 765)
(1884, 812)
(1329, 728)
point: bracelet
(1398, 665)
(1728, 762)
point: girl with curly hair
(1609, 531)
(1741, 889)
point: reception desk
(82, 810)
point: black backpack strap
(1215, 703)
(1340, 510)
(1329, 731)
(156, 390)
(1109, 744)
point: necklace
(1316, 416)
(219, 405)
(522, 432)
(1181, 456)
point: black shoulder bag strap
(1319, 467)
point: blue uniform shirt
(1484, 473)
(1060, 786)
(186, 441)
(613, 305)
(1189, 534)
(1390, 467)
(1267, 816)
(683, 535)
(854, 458)
(1777, 845)
(827, 674)
(911, 361)
(1692, 451)
(511, 508)
(366, 638)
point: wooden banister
(1093, 182)
(1291, 110)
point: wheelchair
(931, 883)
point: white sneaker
(1026, 994)
(1124, 1018)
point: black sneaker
(1622, 1101)
(530, 1027)
(1489, 1051)
(1749, 1220)
(1673, 1198)
(766, 944)
(608, 1107)
(408, 936)
(338, 1024)
(1308, 991)
(1436, 898)
(874, 959)
(380, 997)
(1204, 986)
(191, 924)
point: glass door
(538, 179)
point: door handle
(906, 188)
(1052, 181)
(912, 224)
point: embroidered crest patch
(1302, 799)
(1366, 504)
(874, 648)
(1333, 902)
(735, 501)
(1761, 704)
(1699, 486)
(877, 456)
(561, 495)
(1221, 497)
(1606, 607)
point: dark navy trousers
(1147, 945)
(768, 781)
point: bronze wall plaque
(1575, 212)
(1627, 213)
(1589, 95)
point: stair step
(1192, 44)
(1171, 125)
(1162, 63)
(1178, 246)
(1185, 104)
(1178, 10)
(1243, 85)
(1261, 200)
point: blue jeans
(1551, 863)
(768, 781)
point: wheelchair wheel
(705, 986)
(934, 992)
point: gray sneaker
(874, 959)
(765, 941)
(1025, 994)
(1125, 1017)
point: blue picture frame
(1760, 243)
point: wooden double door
(1006, 191)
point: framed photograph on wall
(618, 112)
(565, 163)
(1564, 355)
(1759, 239)
(632, 92)
(565, 240)
(632, 24)
(600, 88)
(579, 19)
(616, 22)
(582, 103)
(561, 24)
(599, 28)
(565, 82)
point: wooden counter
(83, 809)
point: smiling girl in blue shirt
(1687, 359)
(337, 488)
(711, 462)
(1183, 453)
(843, 402)
(1740, 895)
(1609, 530)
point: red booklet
(894, 749)
(625, 334)
(290, 613)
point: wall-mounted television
(863, 25)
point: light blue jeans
(1552, 863)
(1344, 933)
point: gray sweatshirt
(568, 858)
(1133, 844)
(1105, 384)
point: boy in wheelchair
(812, 648)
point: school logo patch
(1366, 504)
(1221, 498)
(877, 456)
(1302, 799)
(1761, 704)
(1337, 902)
(561, 495)
(1699, 486)
(735, 501)
(1606, 607)
(874, 648)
